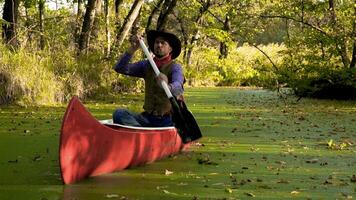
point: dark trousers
(125, 117)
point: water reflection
(116, 186)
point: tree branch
(296, 20)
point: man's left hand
(162, 77)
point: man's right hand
(135, 44)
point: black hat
(172, 39)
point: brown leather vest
(156, 100)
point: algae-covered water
(256, 145)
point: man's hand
(162, 77)
(135, 44)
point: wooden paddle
(183, 119)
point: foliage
(326, 83)
(245, 66)
(307, 45)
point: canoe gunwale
(110, 123)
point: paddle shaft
(155, 68)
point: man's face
(161, 47)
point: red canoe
(90, 148)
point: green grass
(255, 145)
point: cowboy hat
(172, 39)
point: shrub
(26, 78)
(328, 84)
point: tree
(87, 26)
(167, 9)
(192, 34)
(107, 26)
(129, 21)
(156, 8)
(10, 17)
(41, 4)
(224, 51)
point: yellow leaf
(167, 172)
(330, 143)
(228, 190)
(294, 192)
(250, 194)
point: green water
(255, 145)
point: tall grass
(48, 77)
(27, 78)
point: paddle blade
(184, 121)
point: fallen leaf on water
(228, 190)
(218, 184)
(109, 196)
(37, 158)
(281, 162)
(199, 144)
(314, 160)
(167, 172)
(282, 181)
(250, 194)
(206, 161)
(265, 187)
(12, 161)
(161, 187)
(294, 192)
(353, 178)
(254, 149)
(168, 192)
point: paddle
(183, 119)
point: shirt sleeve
(137, 69)
(177, 80)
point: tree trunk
(28, 26)
(117, 6)
(117, 15)
(353, 61)
(78, 20)
(96, 25)
(153, 14)
(341, 46)
(136, 25)
(129, 20)
(41, 4)
(353, 35)
(185, 36)
(167, 8)
(224, 51)
(195, 36)
(332, 11)
(10, 15)
(87, 26)
(107, 25)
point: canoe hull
(90, 148)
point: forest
(52, 50)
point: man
(157, 107)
